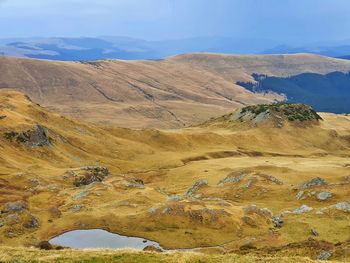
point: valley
(264, 181)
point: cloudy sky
(283, 20)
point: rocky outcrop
(323, 196)
(36, 137)
(302, 209)
(312, 183)
(231, 178)
(90, 175)
(200, 183)
(18, 206)
(278, 114)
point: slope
(179, 91)
(212, 185)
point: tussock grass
(21, 254)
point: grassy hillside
(222, 184)
(172, 93)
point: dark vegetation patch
(292, 112)
(327, 93)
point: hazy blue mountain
(329, 93)
(126, 48)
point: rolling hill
(175, 92)
(213, 185)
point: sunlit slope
(222, 184)
(170, 93)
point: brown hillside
(178, 91)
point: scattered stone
(45, 245)
(18, 206)
(174, 198)
(325, 255)
(232, 179)
(253, 209)
(196, 186)
(302, 209)
(277, 221)
(152, 210)
(2, 117)
(314, 232)
(134, 185)
(248, 184)
(321, 211)
(313, 182)
(272, 179)
(299, 195)
(324, 196)
(31, 222)
(343, 206)
(77, 208)
(93, 174)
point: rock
(196, 186)
(76, 208)
(232, 179)
(92, 174)
(37, 137)
(134, 185)
(2, 117)
(343, 206)
(299, 195)
(31, 222)
(325, 255)
(302, 209)
(152, 210)
(248, 184)
(253, 209)
(321, 211)
(324, 196)
(174, 198)
(277, 221)
(271, 179)
(152, 249)
(44, 245)
(313, 182)
(314, 232)
(18, 206)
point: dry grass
(216, 217)
(8, 254)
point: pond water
(98, 238)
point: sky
(282, 20)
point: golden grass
(10, 254)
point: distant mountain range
(108, 47)
(125, 48)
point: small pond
(98, 238)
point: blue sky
(283, 20)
